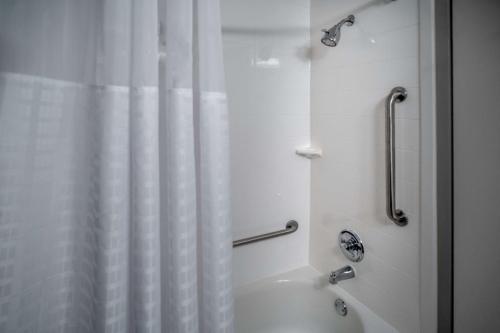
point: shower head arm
(349, 20)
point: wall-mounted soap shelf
(309, 152)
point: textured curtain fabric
(114, 213)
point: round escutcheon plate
(351, 245)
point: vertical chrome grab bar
(397, 216)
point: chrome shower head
(332, 36)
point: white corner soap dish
(309, 152)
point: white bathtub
(301, 301)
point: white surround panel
(267, 67)
(349, 84)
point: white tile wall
(349, 84)
(267, 65)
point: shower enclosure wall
(267, 65)
(287, 90)
(349, 84)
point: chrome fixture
(344, 273)
(351, 245)
(332, 36)
(397, 216)
(290, 227)
(340, 307)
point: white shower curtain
(114, 213)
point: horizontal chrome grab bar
(396, 215)
(291, 227)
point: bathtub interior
(301, 301)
